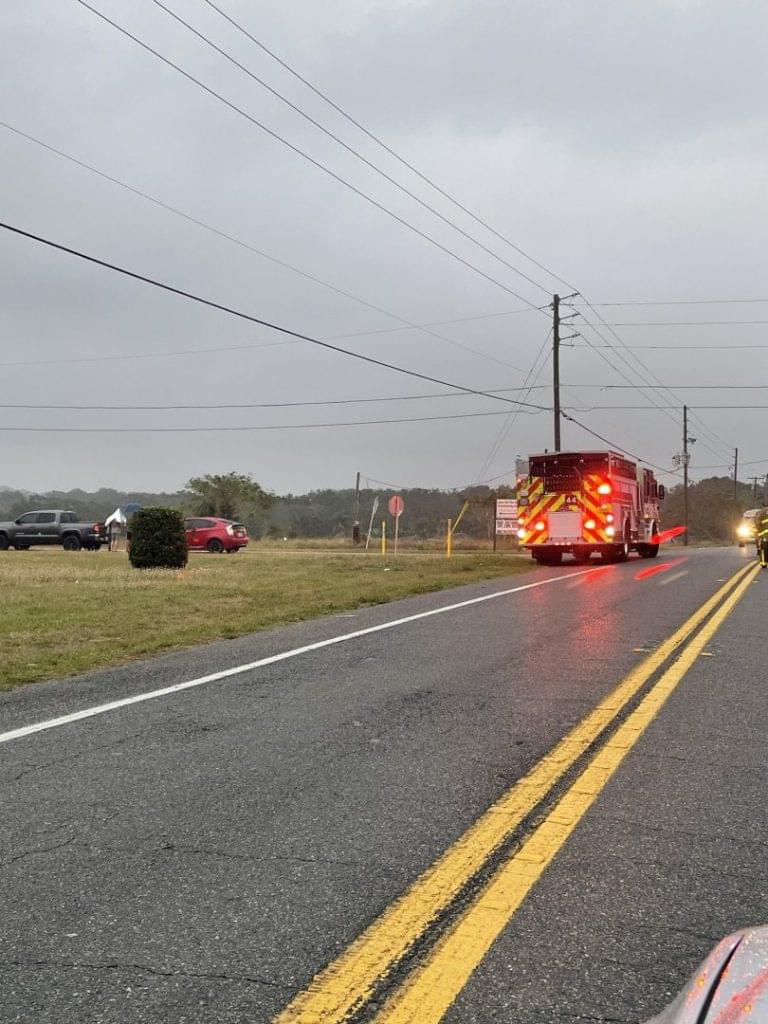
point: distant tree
(710, 508)
(229, 496)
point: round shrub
(158, 540)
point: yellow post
(384, 536)
(449, 541)
(464, 508)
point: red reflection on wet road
(665, 535)
(654, 570)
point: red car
(215, 535)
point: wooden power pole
(685, 474)
(735, 485)
(556, 366)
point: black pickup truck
(52, 526)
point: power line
(600, 437)
(647, 408)
(253, 319)
(685, 323)
(391, 151)
(425, 328)
(375, 138)
(340, 110)
(652, 375)
(350, 149)
(674, 348)
(302, 153)
(435, 323)
(253, 405)
(270, 426)
(720, 465)
(620, 372)
(506, 427)
(676, 302)
(682, 387)
(175, 353)
(306, 156)
(283, 330)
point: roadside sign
(506, 515)
(396, 505)
(374, 508)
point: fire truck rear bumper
(570, 547)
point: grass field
(66, 613)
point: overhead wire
(673, 348)
(311, 159)
(199, 406)
(390, 150)
(424, 328)
(648, 373)
(506, 427)
(240, 314)
(686, 323)
(323, 167)
(221, 307)
(246, 428)
(350, 149)
(379, 141)
(306, 156)
(678, 302)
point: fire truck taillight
(521, 534)
(539, 526)
(590, 524)
(609, 517)
(609, 530)
(604, 489)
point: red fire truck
(582, 502)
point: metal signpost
(396, 506)
(370, 524)
(506, 516)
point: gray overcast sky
(622, 144)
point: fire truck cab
(586, 502)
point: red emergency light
(604, 488)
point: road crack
(114, 965)
(39, 852)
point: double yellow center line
(348, 983)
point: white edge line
(101, 709)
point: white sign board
(506, 515)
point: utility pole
(355, 513)
(685, 474)
(735, 484)
(556, 366)
(754, 480)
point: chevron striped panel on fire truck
(588, 503)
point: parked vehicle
(215, 535)
(745, 531)
(52, 526)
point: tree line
(329, 512)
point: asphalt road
(198, 856)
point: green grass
(66, 613)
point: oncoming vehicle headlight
(744, 530)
